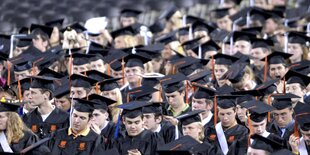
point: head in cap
(81, 115)
(81, 85)
(222, 63)
(283, 113)
(262, 145)
(222, 18)
(41, 35)
(302, 114)
(207, 49)
(152, 115)
(203, 77)
(143, 93)
(226, 108)
(62, 96)
(296, 84)
(22, 66)
(242, 42)
(57, 26)
(129, 16)
(297, 46)
(277, 64)
(22, 44)
(119, 37)
(201, 29)
(191, 124)
(80, 62)
(260, 49)
(132, 114)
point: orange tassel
(213, 66)
(128, 94)
(269, 103)
(186, 93)
(284, 85)
(97, 88)
(265, 69)
(296, 134)
(251, 130)
(9, 73)
(139, 83)
(123, 71)
(109, 70)
(215, 110)
(19, 90)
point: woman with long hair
(14, 135)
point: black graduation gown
(108, 131)
(274, 128)
(124, 93)
(58, 119)
(206, 148)
(167, 131)
(63, 144)
(236, 133)
(146, 142)
(208, 125)
(28, 139)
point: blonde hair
(250, 73)
(201, 135)
(116, 111)
(130, 41)
(15, 128)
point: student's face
(36, 97)
(63, 103)
(132, 74)
(258, 54)
(241, 113)
(219, 71)
(192, 130)
(3, 121)
(296, 50)
(39, 43)
(133, 126)
(126, 21)
(306, 136)
(97, 39)
(224, 23)
(227, 116)
(277, 70)
(79, 69)
(243, 47)
(156, 63)
(79, 121)
(283, 117)
(174, 98)
(55, 35)
(119, 42)
(149, 121)
(295, 88)
(270, 26)
(21, 75)
(252, 151)
(78, 92)
(111, 94)
(166, 53)
(259, 127)
(200, 104)
(99, 117)
(97, 65)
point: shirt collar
(158, 129)
(174, 114)
(207, 120)
(82, 133)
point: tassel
(9, 73)
(97, 88)
(284, 85)
(109, 70)
(123, 71)
(265, 69)
(251, 129)
(269, 103)
(186, 93)
(118, 124)
(19, 91)
(296, 134)
(213, 64)
(215, 110)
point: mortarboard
(96, 75)
(202, 26)
(81, 81)
(168, 12)
(114, 59)
(297, 38)
(130, 12)
(143, 93)
(136, 60)
(253, 30)
(282, 101)
(267, 144)
(55, 23)
(283, 151)
(203, 92)
(202, 77)
(172, 83)
(101, 102)
(24, 83)
(302, 116)
(81, 58)
(167, 38)
(128, 30)
(261, 43)
(235, 73)
(47, 30)
(244, 97)
(240, 35)
(9, 105)
(24, 41)
(301, 67)
(223, 59)
(207, 47)
(190, 117)
(182, 146)
(133, 109)
(62, 90)
(157, 26)
(226, 101)
(151, 79)
(295, 77)
(82, 105)
(153, 107)
(183, 31)
(191, 44)
(188, 65)
(43, 82)
(75, 26)
(225, 90)
(109, 84)
(258, 110)
(267, 87)
(277, 57)
(50, 73)
(221, 12)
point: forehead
(35, 89)
(77, 88)
(242, 42)
(281, 111)
(132, 68)
(170, 94)
(202, 99)
(259, 123)
(293, 85)
(305, 132)
(225, 110)
(78, 113)
(139, 118)
(275, 65)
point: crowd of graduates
(234, 82)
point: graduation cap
(240, 35)
(24, 83)
(219, 35)
(258, 110)
(191, 44)
(203, 92)
(7, 105)
(133, 109)
(80, 58)
(297, 38)
(142, 93)
(301, 67)
(62, 90)
(188, 65)
(109, 84)
(226, 101)
(261, 43)
(130, 12)
(183, 31)
(253, 30)
(50, 73)
(182, 146)
(202, 26)
(283, 151)
(168, 12)
(190, 117)
(172, 83)
(96, 75)
(81, 81)
(235, 73)
(151, 79)
(101, 101)
(207, 47)
(43, 82)
(223, 59)
(202, 77)
(136, 60)
(45, 29)
(113, 60)
(82, 105)
(128, 30)
(267, 87)
(24, 41)
(277, 57)
(167, 38)
(55, 23)
(153, 107)
(157, 26)
(282, 101)
(75, 26)
(267, 144)
(302, 116)
(221, 12)
(225, 90)
(295, 77)
(23, 30)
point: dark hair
(50, 93)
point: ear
(46, 95)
